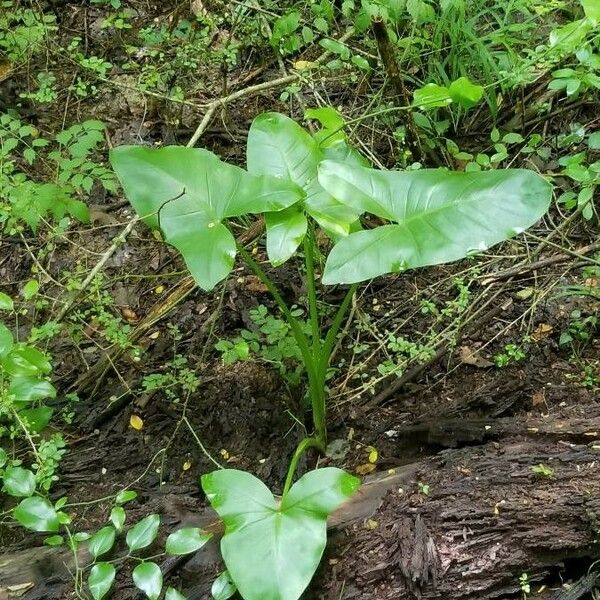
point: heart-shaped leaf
(223, 587)
(186, 540)
(438, 216)
(142, 534)
(278, 146)
(19, 482)
(188, 192)
(101, 579)
(37, 514)
(272, 550)
(148, 577)
(102, 541)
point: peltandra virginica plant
(302, 182)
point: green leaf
(125, 496)
(6, 340)
(54, 540)
(438, 216)
(143, 533)
(332, 123)
(173, 594)
(591, 8)
(37, 418)
(148, 577)
(36, 514)
(272, 550)
(188, 192)
(279, 147)
(223, 587)
(117, 517)
(186, 540)
(31, 389)
(102, 541)
(101, 579)
(593, 143)
(6, 302)
(26, 361)
(19, 482)
(30, 289)
(465, 92)
(431, 95)
(285, 231)
(3, 457)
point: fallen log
(481, 516)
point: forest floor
(495, 411)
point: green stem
(312, 292)
(311, 360)
(303, 446)
(330, 339)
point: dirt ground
(457, 416)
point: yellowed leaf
(136, 422)
(300, 65)
(224, 454)
(365, 469)
(187, 465)
(373, 454)
(371, 524)
(159, 289)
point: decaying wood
(487, 517)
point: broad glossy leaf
(18, 482)
(285, 231)
(148, 577)
(188, 192)
(430, 96)
(223, 587)
(438, 216)
(186, 540)
(101, 579)
(27, 388)
(142, 534)
(37, 514)
(6, 340)
(278, 146)
(464, 92)
(102, 541)
(272, 550)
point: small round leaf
(19, 482)
(6, 302)
(117, 517)
(143, 533)
(148, 577)
(102, 541)
(186, 540)
(54, 540)
(36, 514)
(222, 587)
(101, 578)
(125, 496)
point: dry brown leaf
(541, 331)
(468, 356)
(538, 398)
(255, 285)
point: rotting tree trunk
(487, 518)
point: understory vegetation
(256, 257)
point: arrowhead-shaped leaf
(188, 192)
(437, 216)
(278, 146)
(272, 550)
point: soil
(466, 423)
